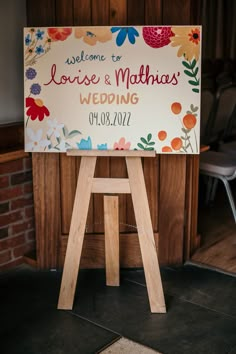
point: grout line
(188, 301)
(94, 323)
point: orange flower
(189, 121)
(162, 135)
(59, 34)
(36, 109)
(121, 145)
(166, 149)
(176, 144)
(176, 107)
(92, 35)
(194, 35)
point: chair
(222, 112)
(219, 166)
(207, 104)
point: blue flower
(28, 40)
(102, 146)
(39, 34)
(39, 50)
(35, 89)
(30, 73)
(123, 32)
(85, 144)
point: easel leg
(76, 235)
(145, 233)
(111, 221)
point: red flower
(59, 34)
(36, 109)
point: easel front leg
(76, 235)
(145, 234)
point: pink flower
(122, 145)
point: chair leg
(213, 189)
(230, 196)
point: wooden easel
(135, 185)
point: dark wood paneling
(82, 12)
(100, 12)
(93, 255)
(171, 212)
(118, 12)
(176, 12)
(40, 13)
(46, 183)
(153, 12)
(136, 13)
(64, 12)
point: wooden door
(169, 178)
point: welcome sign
(112, 88)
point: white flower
(62, 146)
(54, 128)
(36, 144)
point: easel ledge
(113, 153)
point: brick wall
(17, 235)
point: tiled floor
(200, 319)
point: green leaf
(195, 83)
(149, 149)
(141, 146)
(194, 109)
(186, 131)
(186, 64)
(195, 90)
(73, 133)
(193, 63)
(65, 131)
(58, 140)
(189, 73)
(187, 146)
(151, 143)
(149, 137)
(144, 141)
(183, 138)
(189, 112)
(196, 71)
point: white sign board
(112, 88)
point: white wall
(12, 21)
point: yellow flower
(188, 39)
(92, 35)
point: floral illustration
(37, 45)
(59, 33)
(92, 35)
(36, 109)
(102, 147)
(35, 89)
(36, 143)
(183, 143)
(124, 32)
(157, 37)
(188, 41)
(30, 73)
(146, 144)
(54, 128)
(85, 144)
(122, 145)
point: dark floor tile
(31, 323)
(204, 287)
(26, 292)
(186, 328)
(56, 332)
